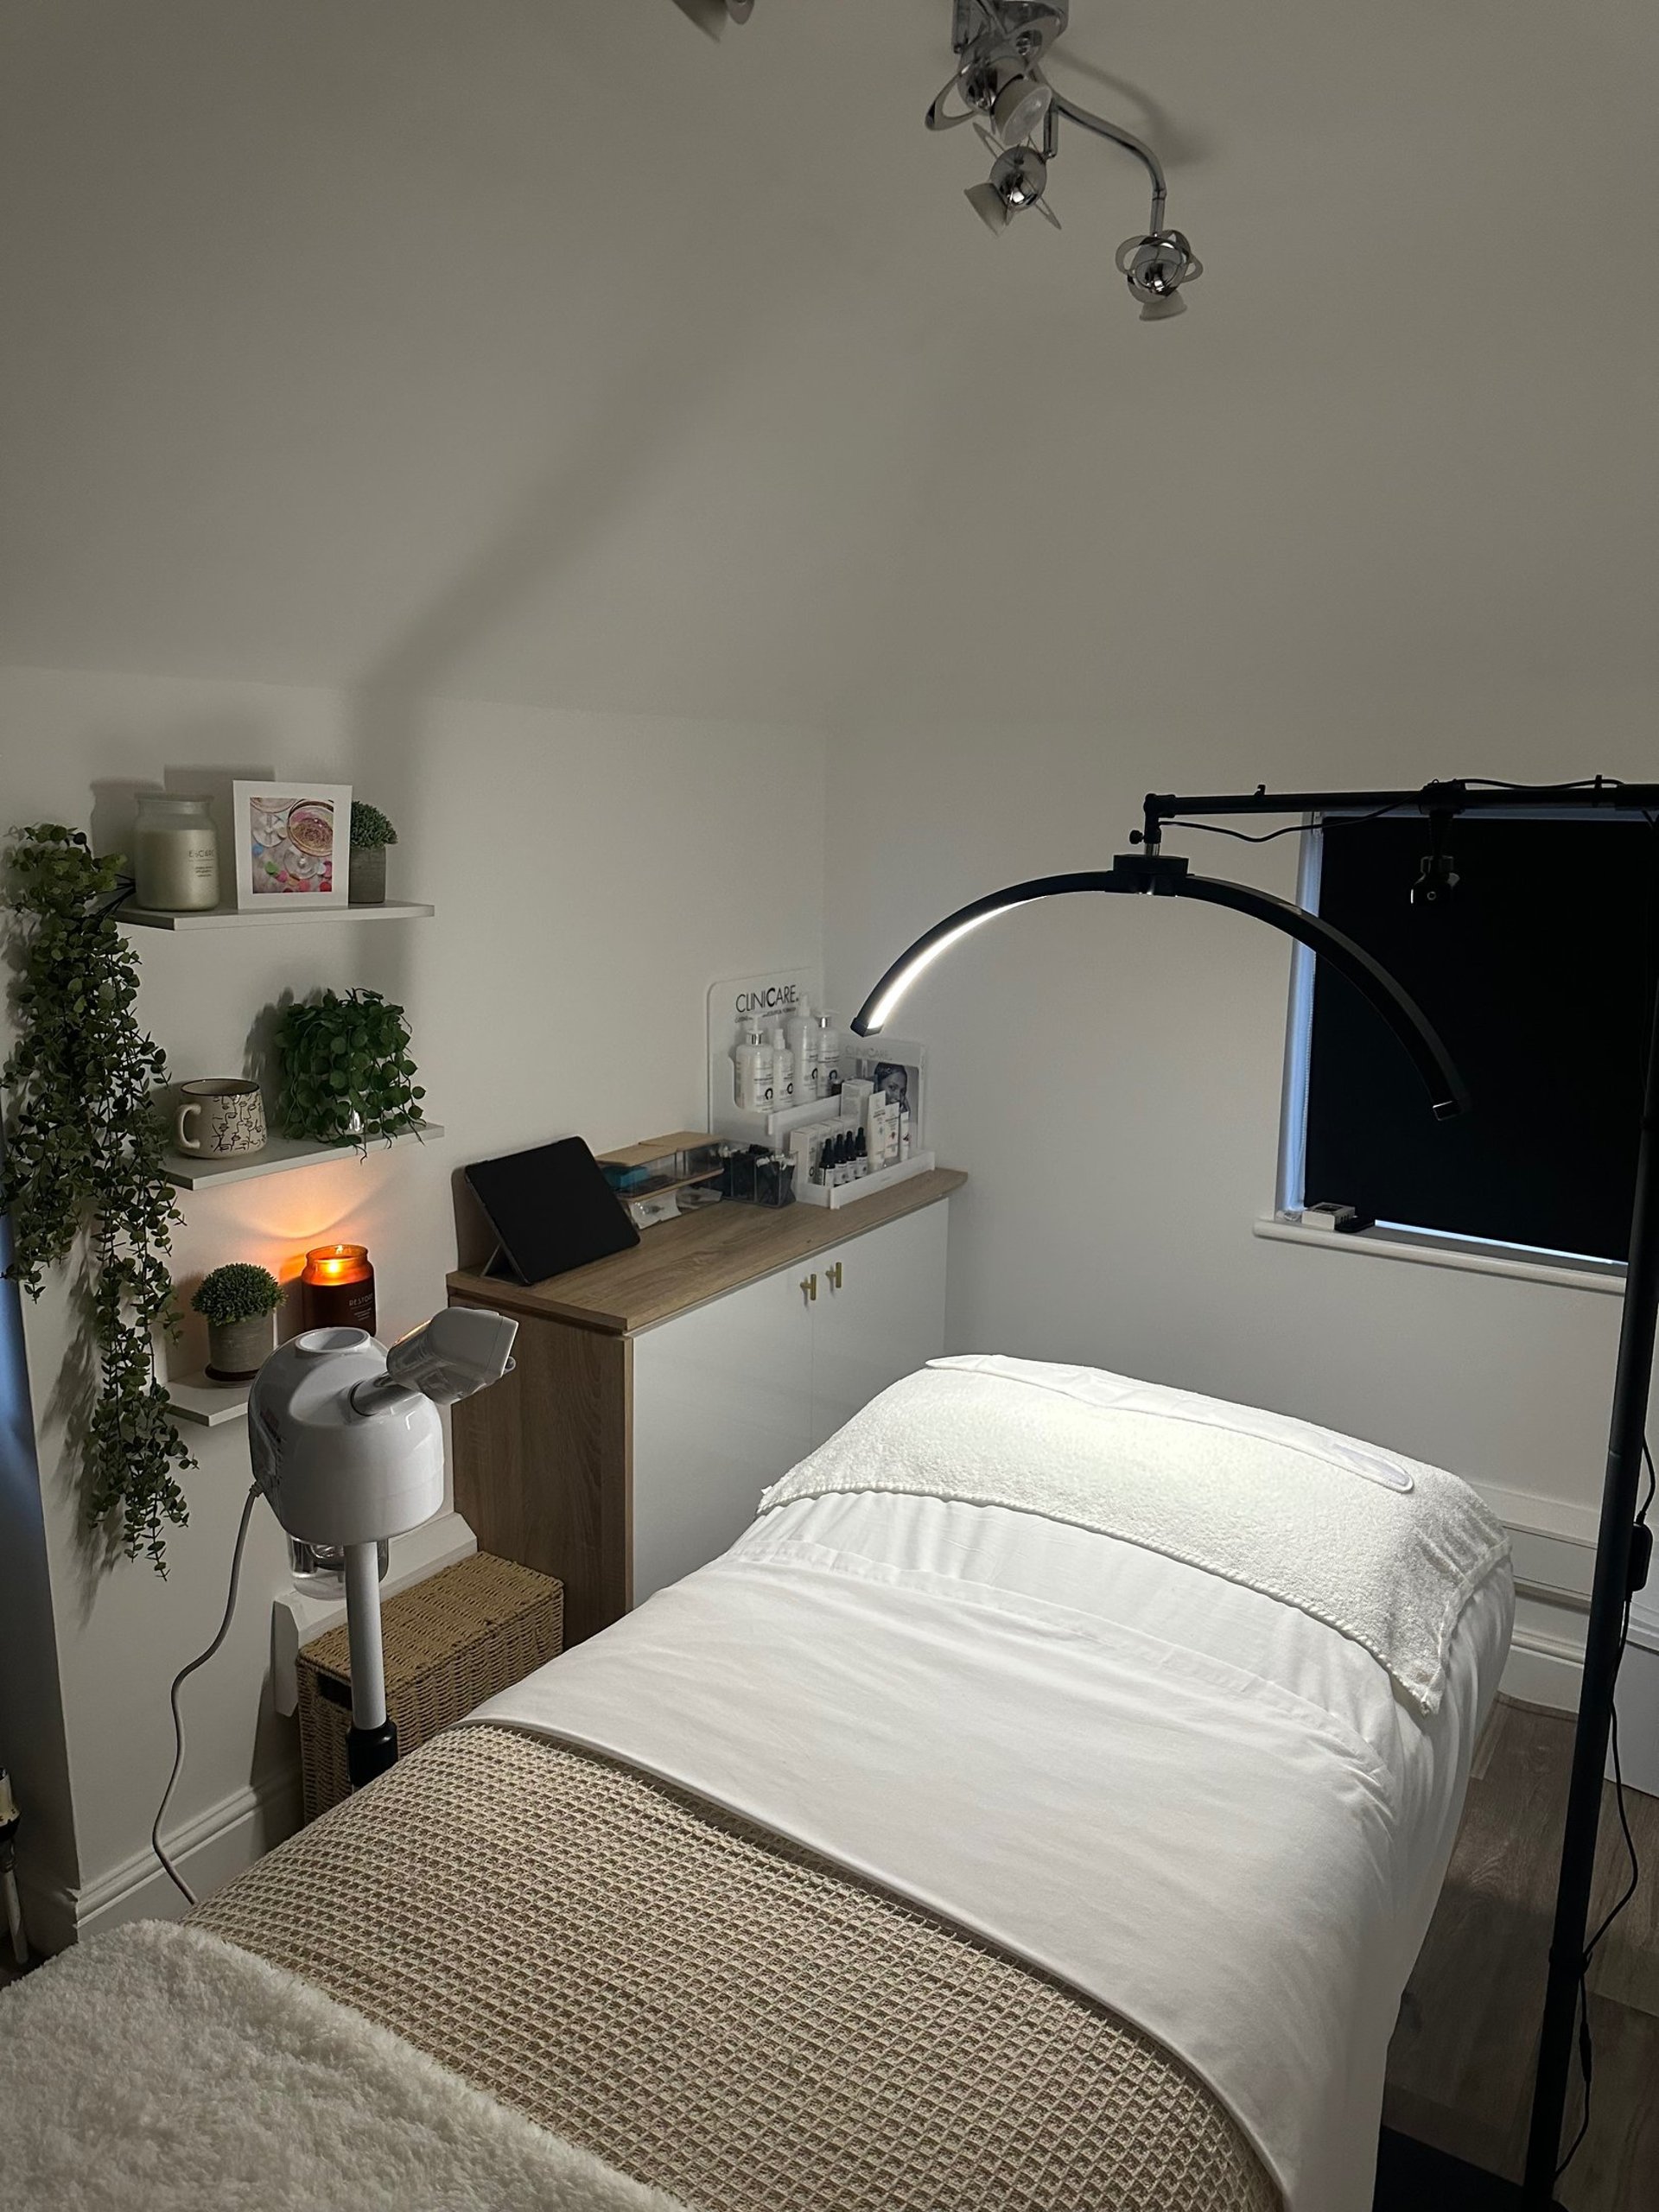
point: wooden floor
(1461, 2065)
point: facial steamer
(347, 1446)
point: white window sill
(1426, 1250)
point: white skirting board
(207, 1851)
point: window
(1538, 971)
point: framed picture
(291, 841)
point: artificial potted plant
(346, 1073)
(85, 1155)
(238, 1302)
(371, 833)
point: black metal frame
(1619, 1564)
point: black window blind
(1538, 971)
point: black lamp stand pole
(1420, 2176)
(1616, 1552)
(1614, 1556)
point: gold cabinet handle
(834, 1273)
(809, 1287)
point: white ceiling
(520, 349)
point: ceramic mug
(220, 1114)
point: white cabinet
(657, 1392)
(879, 1314)
(728, 1397)
(722, 1407)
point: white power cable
(178, 1681)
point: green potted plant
(371, 833)
(238, 1302)
(85, 1158)
(346, 1073)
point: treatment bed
(1040, 1807)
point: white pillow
(1385, 1549)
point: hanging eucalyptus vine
(84, 1148)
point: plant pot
(238, 1350)
(367, 881)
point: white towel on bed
(1387, 1550)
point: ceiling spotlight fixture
(1017, 180)
(999, 44)
(1156, 267)
(713, 15)
(1000, 86)
(1020, 107)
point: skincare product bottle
(800, 1032)
(827, 1053)
(862, 1156)
(746, 1057)
(764, 1075)
(904, 1133)
(783, 1072)
(886, 1131)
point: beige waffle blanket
(717, 2012)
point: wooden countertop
(684, 1263)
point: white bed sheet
(1062, 1565)
(1115, 1765)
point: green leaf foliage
(239, 1291)
(346, 1072)
(84, 1150)
(370, 828)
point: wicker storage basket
(450, 1643)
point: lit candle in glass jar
(337, 1288)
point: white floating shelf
(277, 1156)
(210, 1404)
(295, 909)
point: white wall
(582, 916)
(1109, 1072)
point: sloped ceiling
(520, 349)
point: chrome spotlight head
(1019, 108)
(1156, 266)
(1018, 180)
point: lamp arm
(1060, 105)
(1168, 878)
(1448, 1094)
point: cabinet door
(879, 1313)
(722, 1401)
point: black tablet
(551, 1209)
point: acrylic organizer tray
(836, 1195)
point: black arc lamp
(1411, 2174)
(1164, 875)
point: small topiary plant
(371, 830)
(237, 1291)
(346, 1073)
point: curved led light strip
(1166, 876)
